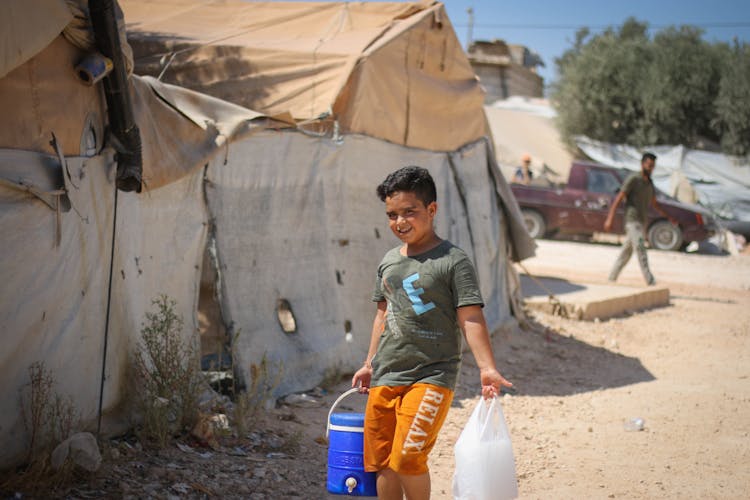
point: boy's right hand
(492, 382)
(362, 379)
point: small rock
(181, 488)
(274, 442)
(302, 401)
(158, 472)
(220, 422)
(204, 431)
(185, 448)
(82, 449)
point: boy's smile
(411, 221)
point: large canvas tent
(394, 71)
(290, 211)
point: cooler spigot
(351, 483)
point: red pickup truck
(581, 206)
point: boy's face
(409, 219)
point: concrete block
(588, 302)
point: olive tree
(732, 104)
(625, 86)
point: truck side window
(598, 181)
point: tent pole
(106, 321)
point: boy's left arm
(472, 323)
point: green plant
(166, 374)
(34, 408)
(48, 419)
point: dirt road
(683, 369)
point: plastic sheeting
(721, 181)
(297, 218)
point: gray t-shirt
(421, 340)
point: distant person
(523, 173)
(427, 295)
(638, 191)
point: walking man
(638, 191)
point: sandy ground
(684, 369)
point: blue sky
(548, 26)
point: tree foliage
(732, 121)
(625, 86)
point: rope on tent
(558, 308)
(109, 302)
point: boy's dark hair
(648, 156)
(412, 179)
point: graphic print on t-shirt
(391, 311)
(414, 295)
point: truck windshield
(602, 181)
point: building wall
(503, 81)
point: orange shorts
(401, 426)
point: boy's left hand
(492, 382)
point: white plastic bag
(485, 469)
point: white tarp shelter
(722, 182)
(292, 210)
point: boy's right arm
(363, 376)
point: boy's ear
(432, 208)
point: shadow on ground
(543, 362)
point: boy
(426, 294)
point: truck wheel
(664, 236)
(534, 221)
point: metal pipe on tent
(124, 135)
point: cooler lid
(348, 419)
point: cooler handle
(333, 407)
